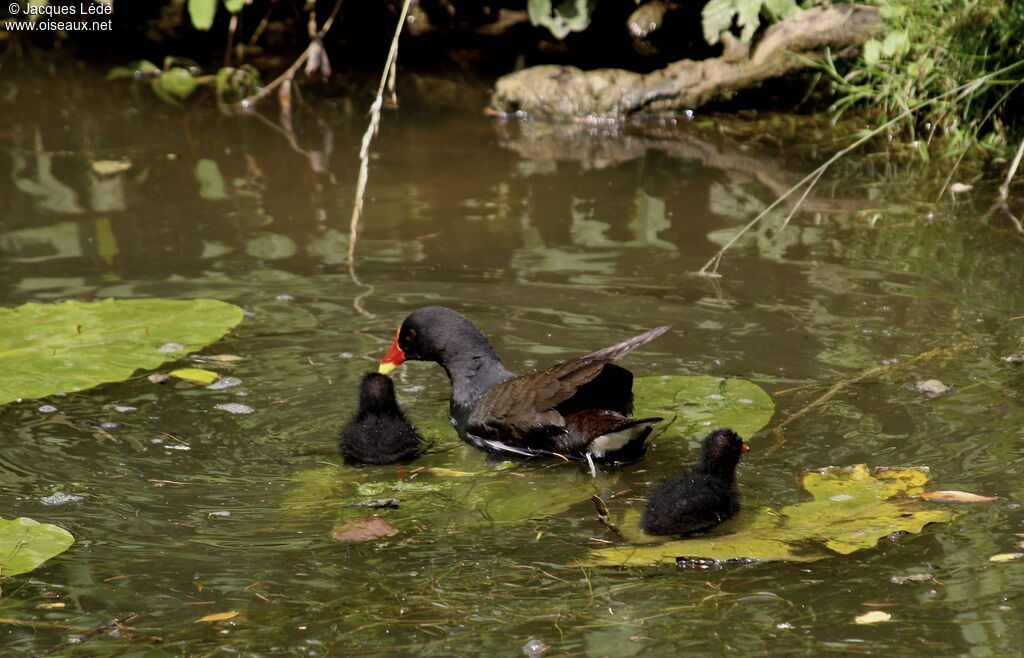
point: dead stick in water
(873, 372)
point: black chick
(701, 498)
(379, 432)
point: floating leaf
(196, 375)
(110, 167)
(372, 527)
(176, 82)
(25, 544)
(950, 496)
(853, 508)
(872, 617)
(702, 403)
(1005, 557)
(71, 346)
(138, 69)
(221, 616)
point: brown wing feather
(522, 410)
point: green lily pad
(701, 403)
(71, 346)
(25, 544)
(853, 508)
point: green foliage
(180, 77)
(961, 59)
(71, 346)
(852, 509)
(561, 17)
(717, 16)
(202, 12)
(25, 544)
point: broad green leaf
(140, 68)
(234, 6)
(701, 403)
(202, 12)
(177, 82)
(71, 346)
(872, 51)
(561, 17)
(717, 16)
(196, 375)
(25, 544)
(853, 508)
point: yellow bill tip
(386, 368)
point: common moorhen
(379, 432)
(577, 409)
(701, 498)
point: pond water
(555, 241)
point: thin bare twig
(364, 163)
(814, 175)
(289, 74)
(873, 372)
(1004, 189)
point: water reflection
(555, 239)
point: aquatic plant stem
(811, 178)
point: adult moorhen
(577, 409)
(379, 432)
(701, 498)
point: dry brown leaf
(950, 496)
(872, 617)
(371, 527)
(221, 616)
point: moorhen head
(379, 432)
(577, 409)
(701, 498)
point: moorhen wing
(701, 498)
(577, 409)
(379, 432)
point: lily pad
(71, 346)
(25, 544)
(853, 508)
(701, 403)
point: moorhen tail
(701, 498)
(379, 432)
(578, 409)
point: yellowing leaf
(195, 375)
(57, 605)
(221, 616)
(872, 617)
(109, 167)
(852, 508)
(950, 496)
(1005, 557)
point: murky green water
(555, 242)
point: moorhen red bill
(701, 498)
(578, 409)
(379, 432)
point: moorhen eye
(379, 432)
(577, 409)
(701, 498)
